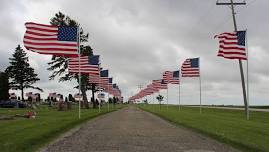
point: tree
(145, 101)
(160, 99)
(4, 86)
(70, 98)
(21, 74)
(59, 64)
(38, 99)
(114, 100)
(110, 100)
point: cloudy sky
(139, 39)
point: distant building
(12, 96)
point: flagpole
(167, 96)
(239, 60)
(152, 98)
(99, 83)
(247, 76)
(200, 87)
(179, 90)
(156, 97)
(108, 94)
(79, 75)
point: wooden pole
(232, 4)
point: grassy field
(228, 126)
(27, 135)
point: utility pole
(232, 4)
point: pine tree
(20, 73)
(59, 64)
(4, 86)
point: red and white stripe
(188, 71)
(229, 48)
(167, 76)
(94, 78)
(174, 81)
(156, 84)
(84, 67)
(42, 39)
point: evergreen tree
(4, 86)
(59, 64)
(21, 74)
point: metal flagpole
(247, 75)
(108, 95)
(167, 96)
(153, 98)
(156, 99)
(79, 75)
(99, 101)
(200, 86)
(179, 91)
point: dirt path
(132, 130)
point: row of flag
(232, 45)
(189, 68)
(64, 41)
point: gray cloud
(139, 39)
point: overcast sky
(139, 39)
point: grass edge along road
(30, 135)
(227, 126)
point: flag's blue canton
(104, 73)
(176, 74)
(110, 80)
(241, 35)
(67, 33)
(163, 82)
(94, 60)
(195, 63)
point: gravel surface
(132, 130)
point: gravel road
(133, 130)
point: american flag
(159, 84)
(164, 85)
(49, 39)
(175, 78)
(115, 90)
(104, 80)
(167, 76)
(156, 84)
(146, 92)
(232, 45)
(93, 78)
(190, 68)
(84, 68)
(104, 77)
(108, 86)
(152, 88)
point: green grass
(260, 107)
(227, 126)
(27, 135)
